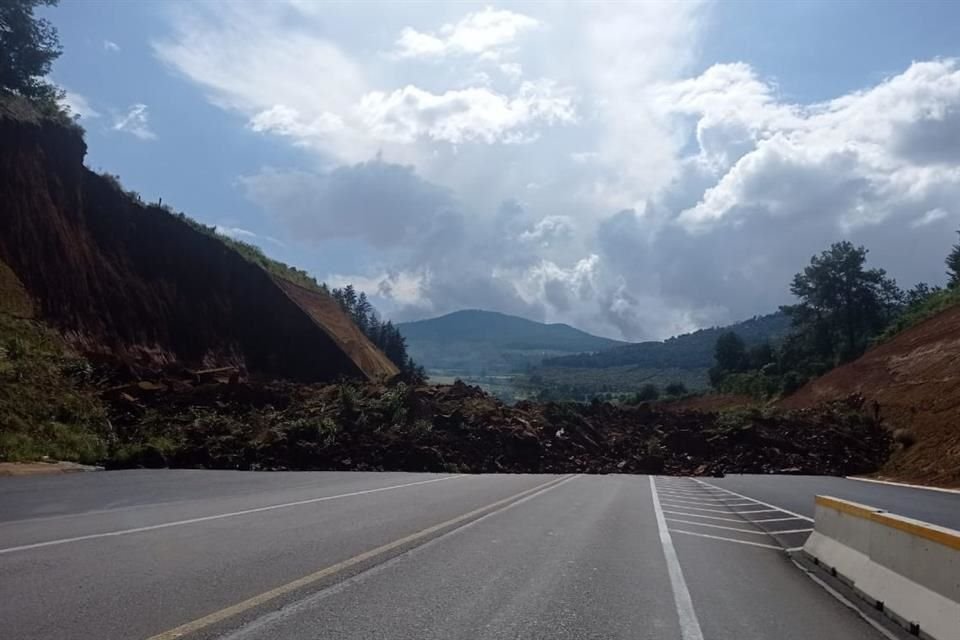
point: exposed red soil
(913, 383)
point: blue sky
(635, 170)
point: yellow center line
(316, 576)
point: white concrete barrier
(908, 568)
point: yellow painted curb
(940, 535)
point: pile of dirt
(912, 385)
(459, 428)
(135, 282)
(711, 402)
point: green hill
(687, 351)
(486, 342)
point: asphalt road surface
(207, 554)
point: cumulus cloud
(110, 46)
(482, 33)
(136, 122)
(458, 116)
(648, 200)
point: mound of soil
(912, 385)
(711, 402)
(461, 428)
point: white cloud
(858, 159)
(483, 33)
(287, 121)
(458, 116)
(549, 230)
(245, 235)
(136, 122)
(109, 45)
(404, 288)
(78, 105)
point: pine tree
(953, 266)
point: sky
(635, 170)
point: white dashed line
(755, 532)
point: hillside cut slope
(914, 379)
(136, 283)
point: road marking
(306, 581)
(904, 484)
(219, 516)
(717, 526)
(689, 625)
(706, 535)
(683, 506)
(697, 515)
(843, 599)
(793, 531)
(699, 502)
(772, 506)
(775, 519)
(757, 511)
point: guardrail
(907, 568)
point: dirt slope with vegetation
(914, 379)
(133, 282)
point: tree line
(384, 334)
(842, 308)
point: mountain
(687, 351)
(475, 341)
(146, 288)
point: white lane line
(697, 515)
(772, 506)
(683, 506)
(903, 484)
(706, 535)
(843, 599)
(758, 511)
(689, 625)
(219, 516)
(717, 526)
(792, 531)
(775, 519)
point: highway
(212, 554)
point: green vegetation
(384, 335)
(49, 405)
(28, 47)
(688, 351)
(842, 309)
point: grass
(931, 306)
(49, 407)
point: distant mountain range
(687, 351)
(487, 342)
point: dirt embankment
(913, 383)
(135, 283)
(461, 428)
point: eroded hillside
(913, 383)
(137, 284)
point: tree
(675, 388)
(841, 303)
(760, 355)
(953, 266)
(28, 46)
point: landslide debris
(459, 428)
